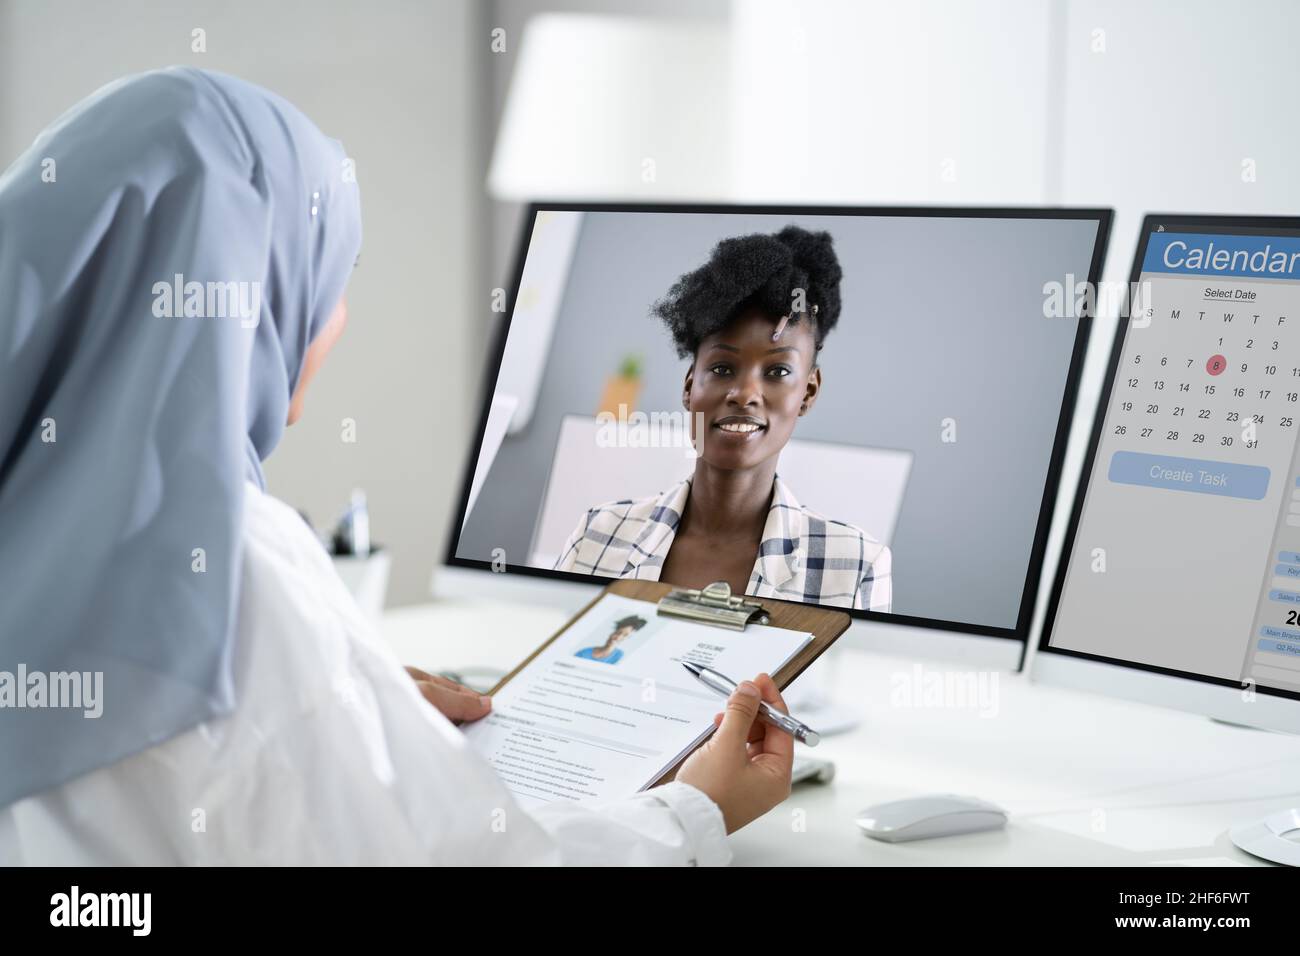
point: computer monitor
(653, 355)
(1179, 580)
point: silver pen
(766, 712)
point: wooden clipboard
(824, 624)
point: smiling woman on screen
(752, 320)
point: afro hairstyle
(758, 272)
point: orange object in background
(622, 388)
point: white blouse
(331, 757)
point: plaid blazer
(802, 557)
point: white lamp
(604, 107)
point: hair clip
(780, 326)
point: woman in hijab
(173, 257)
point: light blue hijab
(127, 429)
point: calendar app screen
(1187, 551)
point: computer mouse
(936, 815)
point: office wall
(1166, 103)
(395, 80)
(939, 101)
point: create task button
(1189, 474)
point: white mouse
(919, 818)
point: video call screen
(1185, 554)
(854, 409)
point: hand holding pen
(745, 766)
(724, 685)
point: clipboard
(824, 624)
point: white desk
(1088, 780)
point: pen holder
(367, 578)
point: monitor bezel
(1069, 398)
(1149, 224)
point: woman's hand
(745, 766)
(456, 701)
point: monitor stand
(1267, 838)
(1239, 726)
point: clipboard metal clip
(713, 604)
